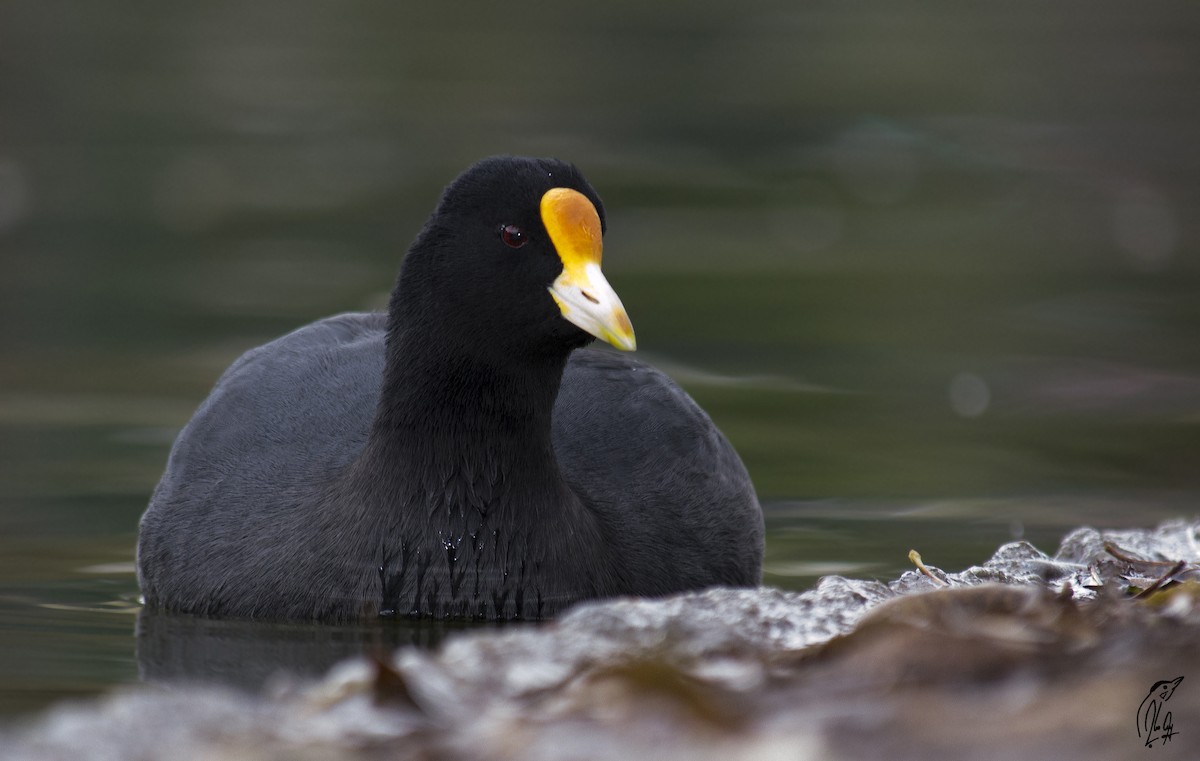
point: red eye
(513, 236)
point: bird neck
(449, 416)
(459, 479)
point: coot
(460, 455)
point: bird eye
(513, 236)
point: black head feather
(463, 286)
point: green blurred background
(933, 269)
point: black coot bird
(461, 455)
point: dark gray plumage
(420, 463)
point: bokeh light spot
(1145, 228)
(970, 395)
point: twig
(1120, 554)
(1182, 564)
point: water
(934, 273)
